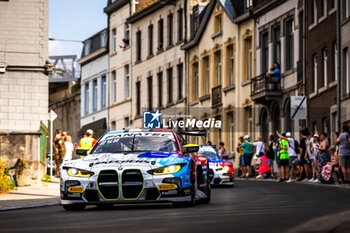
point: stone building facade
(24, 84)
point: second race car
(223, 170)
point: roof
(114, 6)
(95, 43)
(232, 8)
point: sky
(74, 20)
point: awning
(99, 127)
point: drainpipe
(339, 67)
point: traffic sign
(298, 107)
(52, 115)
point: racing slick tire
(208, 190)
(192, 202)
(74, 207)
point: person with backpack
(344, 152)
(293, 150)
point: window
(138, 98)
(314, 127)
(170, 85)
(114, 78)
(150, 91)
(206, 65)
(150, 40)
(265, 52)
(248, 63)
(249, 3)
(127, 32)
(289, 45)
(230, 65)
(277, 44)
(103, 39)
(335, 58)
(114, 40)
(160, 89)
(87, 47)
(314, 11)
(325, 70)
(314, 60)
(138, 46)
(324, 7)
(87, 99)
(218, 67)
(218, 23)
(345, 9)
(180, 81)
(113, 125)
(127, 81)
(333, 4)
(346, 87)
(250, 120)
(180, 25)
(126, 122)
(160, 34)
(103, 91)
(170, 30)
(195, 82)
(94, 95)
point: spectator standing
(271, 151)
(323, 155)
(222, 151)
(247, 155)
(284, 158)
(344, 152)
(69, 148)
(329, 167)
(312, 152)
(60, 151)
(239, 150)
(304, 157)
(292, 153)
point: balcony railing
(262, 88)
(216, 96)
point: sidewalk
(39, 195)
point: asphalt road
(251, 206)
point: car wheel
(74, 207)
(208, 189)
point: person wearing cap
(89, 141)
(293, 155)
(248, 151)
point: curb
(30, 206)
(297, 182)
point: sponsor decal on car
(76, 189)
(166, 186)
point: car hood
(117, 160)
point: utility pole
(339, 67)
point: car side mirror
(81, 152)
(190, 148)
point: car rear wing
(194, 133)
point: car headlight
(224, 169)
(79, 172)
(166, 170)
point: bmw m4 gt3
(134, 166)
(223, 170)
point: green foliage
(46, 178)
(5, 182)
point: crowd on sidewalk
(315, 159)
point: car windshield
(208, 154)
(136, 142)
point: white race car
(223, 170)
(136, 166)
